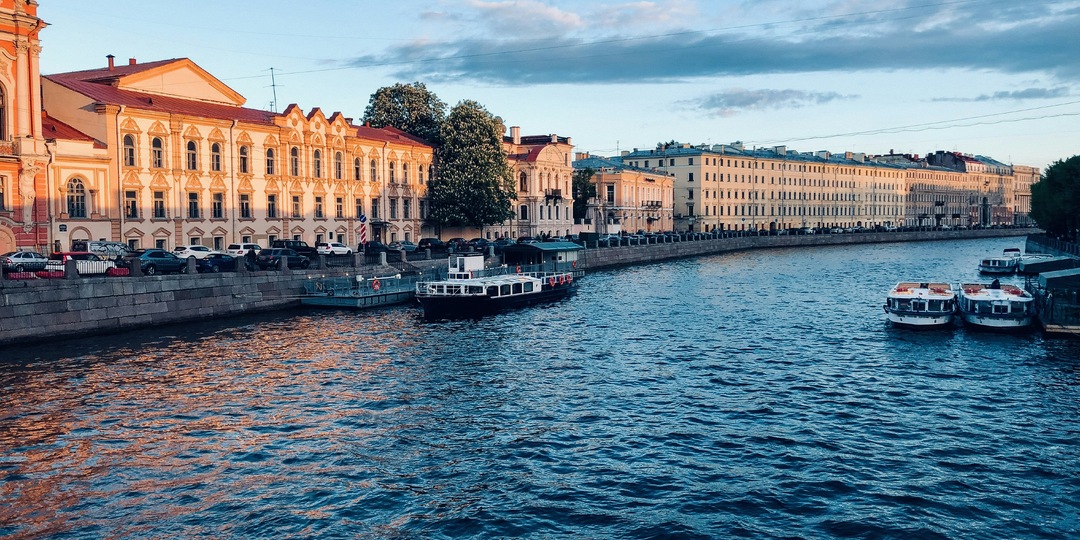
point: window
(129, 151)
(76, 199)
(356, 169)
(691, 178)
(296, 207)
(159, 243)
(192, 156)
(359, 207)
(294, 161)
(269, 161)
(391, 169)
(406, 209)
(319, 207)
(374, 170)
(420, 174)
(339, 207)
(338, 166)
(374, 208)
(157, 153)
(423, 209)
(610, 188)
(193, 205)
(3, 196)
(3, 115)
(317, 163)
(690, 210)
(393, 208)
(217, 206)
(271, 206)
(159, 205)
(523, 213)
(523, 182)
(244, 167)
(245, 206)
(131, 204)
(215, 157)
(405, 173)
(690, 194)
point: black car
(373, 246)
(299, 246)
(155, 261)
(434, 244)
(216, 262)
(271, 258)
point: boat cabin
(546, 256)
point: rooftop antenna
(273, 85)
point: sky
(998, 78)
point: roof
(545, 246)
(602, 163)
(389, 134)
(52, 128)
(1062, 279)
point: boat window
(517, 288)
(476, 289)
(441, 289)
(504, 289)
(493, 291)
(1001, 308)
(529, 287)
(918, 305)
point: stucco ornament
(29, 171)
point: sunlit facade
(628, 198)
(543, 175)
(186, 163)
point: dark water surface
(757, 394)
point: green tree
(584, 189)
(412, 108)
(474, 184)
(1055, 199)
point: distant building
(628, 198)
(543, 175)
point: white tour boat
(470, 290)
(921, 304)
(996, 305)
(1005, 264)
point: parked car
(299, 246)
(456, 244)
(217, 262)
(85, 262)
(332, 248)
(105, 249)
(239, 250)
(403, 245)
(23, 261)
(197, 251)
(610, 240)
(271, 258)
(434, 244)
(501, 243)
(373, 247)
(155, 261)
(478, 244)
(527, 240)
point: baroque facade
(183, 162)
(628, 198)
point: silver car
(23, 261)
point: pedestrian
(249, 259)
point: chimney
(111, 58)
(515, 134)
(131, 62)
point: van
(107, 250)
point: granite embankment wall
(631, 255)
(1040, 243)
(36, 310)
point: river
(758, 394)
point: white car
(333, 248)
(239, 250)
(199, 252)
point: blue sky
(991, 77)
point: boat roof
(1066, 279)
(504, 279)
(545, 246)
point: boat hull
(464, 307)
(920, 320)
(997, 322)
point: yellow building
(628, 198)
(183, 162)
(1023, 177)
(543, 173)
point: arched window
(338, 166)
(316, 163)
(76, 198)
(405, 173)
(270, 161)
(391, 169)
(3, 195)
(524, 181)
(192, 156)
(374, 170)
(129, 151)
(244, 167)
(157, 153)
(294, 161)
(215, 157)
(420, 174)
(524, 214)
(3, 115)
(356, 169)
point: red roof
(389, 134)
(54, 129)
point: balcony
(553, 194)
(651, 204)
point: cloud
(1036, 37)
(735, 100)
(1016, 95)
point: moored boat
(921, 304)
(470, 290)
(996, 305)
(1005, 264)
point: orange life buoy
(375, 285)
(574, 264)
(570, 278)
(562, 279)
(518, 269)
(551, 282)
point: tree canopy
(412, 108)
(584, 189)
(1055, 199)
(474, 185)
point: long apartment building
(730, 187)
